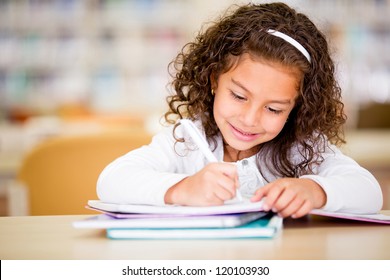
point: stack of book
(232, 220)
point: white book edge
(230, 208)
(103, 221)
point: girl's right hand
(212, 185)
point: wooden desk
(53, 237)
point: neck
(233, 155)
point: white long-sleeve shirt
(143, 176)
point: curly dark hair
(318, 116)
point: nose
(251, 116)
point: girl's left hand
(291, 196)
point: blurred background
(70, 67)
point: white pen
(202, 144)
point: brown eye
(238, 97)
(272, 110)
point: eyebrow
(237, 83)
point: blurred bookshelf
(103, 63)
(108, 56)
(112, 56)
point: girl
(261, 86)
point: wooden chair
(61, 173)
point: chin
(239, 146)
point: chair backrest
(61, 173)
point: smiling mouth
(244, 134)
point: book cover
(372, 218)
(169, 221)
(265, 227)
(229, 208)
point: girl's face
(252, 103)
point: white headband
(290, 40)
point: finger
(223, 194)
(303, 210)
(260, 193)
(272, 196)
(227, 183)
(291, 208)
(257, 196)
(211, 199)
(286, 199)
(228, 169)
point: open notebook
(228, 208)
(372, 218)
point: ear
(213, 81)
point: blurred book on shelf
(112, 56)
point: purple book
(372, 218)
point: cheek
(275, 124)
(216, 107)
(222, 107)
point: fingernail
(265, 207)
(274, 210)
